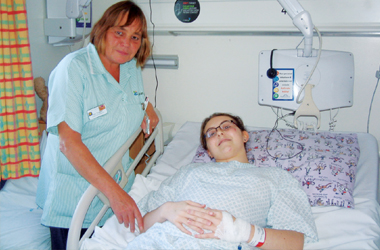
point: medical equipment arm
(302, 20)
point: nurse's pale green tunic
(85, 96)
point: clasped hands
(195, 216)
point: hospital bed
(20, 217)
(338, 227)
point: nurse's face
(121, 43)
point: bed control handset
(147, 120)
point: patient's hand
(214, 216)
(178, 214)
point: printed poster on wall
(186, 11)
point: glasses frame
(219, 127)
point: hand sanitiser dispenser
(68, 21)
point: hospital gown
(268, 197)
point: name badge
(96, 112)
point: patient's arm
(275, 239)
(176, 213)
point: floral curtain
(19, 140)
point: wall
(265, 15)
(45, 56)
(219, 73)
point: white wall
(45, 56)
(219, 73)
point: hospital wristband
(258, 238)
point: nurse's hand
(124, 207)
(153, 120)
(126, 210)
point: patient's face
(227, 145)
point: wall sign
(186, 11)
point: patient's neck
(240, 158)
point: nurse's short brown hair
(112, 17)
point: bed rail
(114, 167)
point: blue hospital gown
(268, 197)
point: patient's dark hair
(238, 121)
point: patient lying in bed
(264, 197)
(186, 211)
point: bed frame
(115, 169)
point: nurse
(96, 102)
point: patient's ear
(245, 136)
(209, 154)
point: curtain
(19, 140)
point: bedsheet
(335, 231)
(338, 228)
(20, 217)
